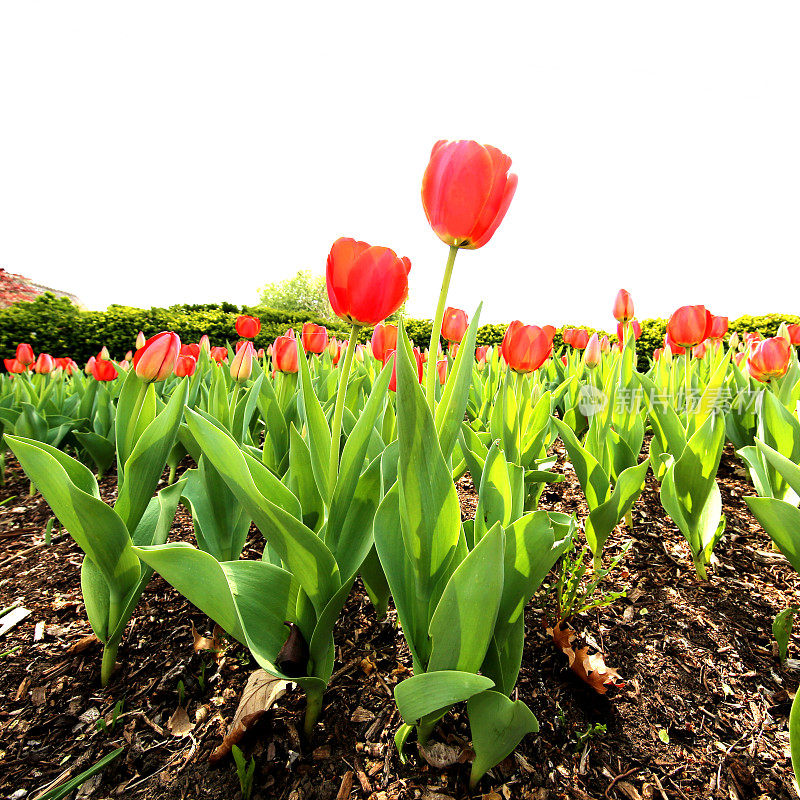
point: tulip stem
(338, 411)
(520, 391)
(686, 387)
(436, 331)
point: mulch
(703, 713)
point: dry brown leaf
(260, 693)
(204, 643)
(440, 755)
(585, 661)
(179, 723)
(82, 644)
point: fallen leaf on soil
(585, 661)
(440, 755)
(260, 693)
(204, 643)
(179, 723)
(82, 644)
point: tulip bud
(104, 370)
(592, 354)
(285, 355)
(185, 366)
(315, 338)
(219, 354)
(454, 324)
(242, 364)
(623, 307)
(103, 355)
(605, 345)
(441, 368)
(155, 361)
(690, 325)
(248, 327)
(205, 344)
(140, 340)
(733, 342)
(25, 354)
(89, 368)
(384, 339)
(44, 364)
(129, 355)
(260, 353)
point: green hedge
(53, 325)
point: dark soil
(703, 713)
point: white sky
(161, 152)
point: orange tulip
(44, 364)
(566, 335)
(592, 355)
(89, 368)
(25, 354)
(623, 307)
(315, 338)
(794, 333)
(441, 368)
(284, 354)
(366, 284)
(632, 326)
(699, 350)
(242, 364)
(690, 325)
(481, 354)
(248, 327)
(384, 338)
(579, 338)
(769, 359)
(657, 353)
(156, 360)
(605, 344)
(466, 192)
(219, 354)
(192, 350)
(185, 366)
(526, 347)
(674, 348)
(454, 324)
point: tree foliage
(304, 293)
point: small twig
(619, 778)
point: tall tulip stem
(686, 385)
(338, 411)
(436, 330)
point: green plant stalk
(112, 645)
(519, 391)
(686, 385)
(338, 411)
(313, 709)
(436, 331)
(700, 566)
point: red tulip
(690, 325)
(794, 333)
(104, 370)
(390, 356)
(365, 284)
(336, 351)
(719, 327)
(699, 350)
(260, 352)
(674, 348)
(769, 359)
(441, 368)
(623, 307)
(605, 344)
(384, 339)
(579, 338)
(242, 364)
(248, 327)
(185, 366)
(566, 335)
(13, 366)
(481, 354)
(466, 192)
(633, 325)
(284, 354)
(25, 354)
(140, 340)
(454, 324)
(526, 347)
(657, 353)
(44, 364)
(89, 368)
(592, 354)
(192, 350)
(156, 360)
(219, 354)
(315, 338)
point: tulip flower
(103, 355)
(361, 352)
(185, 366)
(794, 333)
(104, 370)
(284, 354)
(140, 340)
(366, 284)
(719, 327)
(44, 364)
(205, 344)
(25, 354)
(633, 325)
(657, 353)
(242, 364)
(390, 356)
(623, 307)
(674, 348)
(526, 347)
(384, 339)
(566, 335)
(89, 368)
(454, 324)
(126, 365)
(579, 338)
(219, 354)
(605, 345)
(466, 192)
(690, 325)
(156, 360)
(192, 350)
(260, 353)
(481, 354)
(441, 368)
(13, 366)
(248, 327)
(769, 359)
(129, 355)
(592, 355)
(699, 350)
(315, 338)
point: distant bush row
(54, 325)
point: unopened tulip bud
(592, 354)
(25, 354)
(156, 360)
(185, 366)
(623, 306)
(205, 344)
(103, 355)
(129, 355)
(140, 340)
(89, 368)
(242, 364)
